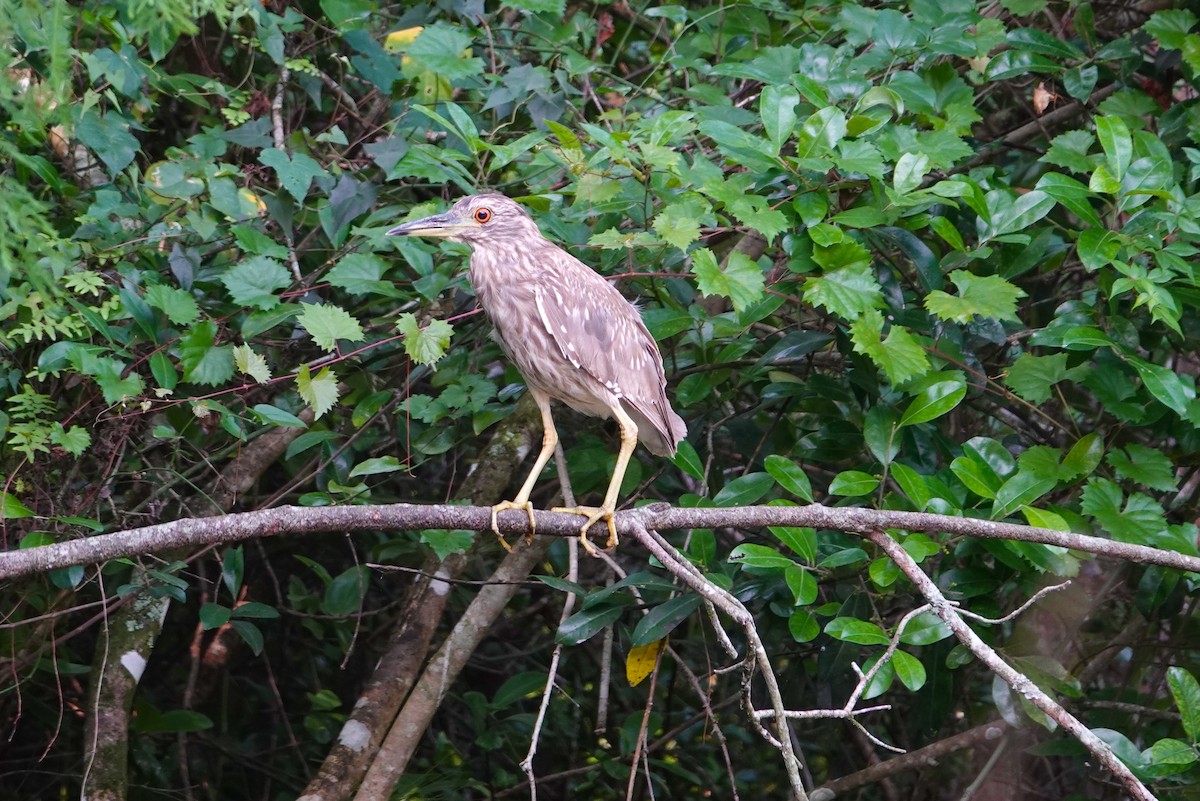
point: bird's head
(475, 220)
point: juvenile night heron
(572, 335)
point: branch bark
(415, 517)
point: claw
(504, 506)
(593, 515)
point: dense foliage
(937, 256)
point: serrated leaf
(424, 345)
(251, 363)
(296, 173)
(327, 324)
(1146, 466)
(319, 391)
(847, 292)
(178, 305)
(900, 356)
(741, 280)
(362, 274)
(987, 296)
(253, 282)
(1032, 377)
(205, 362)
(679, 223)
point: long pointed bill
(445, 226)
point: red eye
(483, 215)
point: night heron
(572, 335)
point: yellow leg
(549, 441)
(629, 433)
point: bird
(572, 335)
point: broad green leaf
(679, 222)
(296, 173)
(587, 623)
(253, 282)
(344, 595)
(988, 296)
(925, 629)
(910, 171)
(909, 670)
(1073, 195)
(759, 557)
(277, 417)
(205, 362)
(327, 324)
(880, 434)
(741, 280)
(853, 483)
(802, 584)
(362, 274)
(1033, 377)
(803, 626)
(1117, 144)
(13, 509)
(862, 632)
(319, 391)
(976, 477)
(1186, 692)
(687, 460)
(662, 619)
(777, 110)
(424, 345)
(178, 305)
(376, 465)
(789, 476)
(445, 51)
(1020, 490)
(744, 490)
(820, 133)
(802, 541)
(108, 135)
(1083, 457)
(1171, 28)
(935, 400)
(1165, 385)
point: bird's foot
(594, 514)
(504, 506)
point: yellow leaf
(398, 40)
(641, 661)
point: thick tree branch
(414, 517)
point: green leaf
(587, 623)
(1171, 28)
(178, 305)
(900, 356)
(1020, 490)
(12, 509)
(910, 172)
(925, 629)
(108, 135)
(976, 476)
(662, 619)
(853, 483)
(1145, 466)
(376, 465)
(277, 417)
(344, 595)
(789, 475)
(935, 400)
(1032, 377)
(820, 133)
(679, 222)
(801, 583)
(252, 282)
(744, 490)
(802, 541)
(987, 296)
(444, 543)
(847, 292)
(1073, 195)
(205, 362)
(74, 440)
(320, 391)
(251, 364)
(759, 557)
(362, 274)
(909, 670)
(440, 49)
(687, 460)
(296, 173)
(327, 324)
(1167, 386)
(741, 280)
(851, 629)
(1186, 692)
(1083, 457)
(803, 626)
(424, 345)
(1117, 144)
(777, 109)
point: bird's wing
(601, 333)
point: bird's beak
(443, 226)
